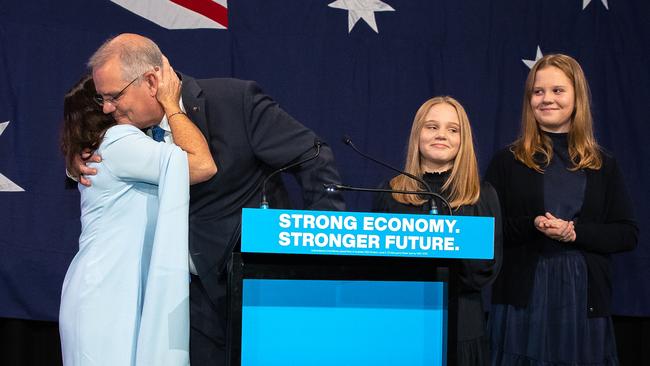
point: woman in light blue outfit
(125, 298)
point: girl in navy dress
(565, 209)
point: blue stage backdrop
(358, 67)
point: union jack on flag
(181, 14)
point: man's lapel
(194, 103)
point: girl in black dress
(565, 208)
(441, 151)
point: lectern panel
(322, 322)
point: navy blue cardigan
(606, 225)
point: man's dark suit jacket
(249, 137)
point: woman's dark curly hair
(84, 122)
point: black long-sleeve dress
(472, 348)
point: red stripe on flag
(208, 8)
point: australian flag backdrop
(356, 67)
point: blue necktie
(158, 133)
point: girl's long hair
(533, 148)
(463, 186)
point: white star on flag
(531, 63)
(5, 184)
(586, 2)
(361, 9)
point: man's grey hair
(136, 58)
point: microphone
(333, 187)
(264, 203)
(434, 209)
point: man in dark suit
(249, 136)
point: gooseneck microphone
(264, 203)
(332, 187)
(429, 192)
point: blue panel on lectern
(366, 234)
(316, 322)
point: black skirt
(554, 328)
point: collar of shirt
(164, 124)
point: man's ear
(151, 80)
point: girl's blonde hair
(463, 185)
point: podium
(345, 288)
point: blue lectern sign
(367, 234)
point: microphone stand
(264, 203)
(434, 209)
(340, 187)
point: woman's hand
(169, 88)
(556, 229)
(79, 170)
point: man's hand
(80, 170)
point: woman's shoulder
(124, 139)
(117, 132)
